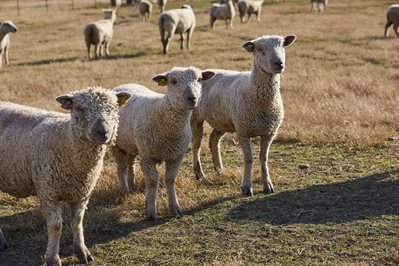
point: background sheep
(5, 28)
(162, 5)
(145, 8)
(100, 33)
(247, 103)
(116, 3)
(392, 18)
(318, 5)
(176, 21)
(157, 127)
(58, 157)
(250, 7)
(224, 12)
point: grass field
(340, 91)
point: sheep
(318, 5)
(162, 5)
(224, 12)
(116, 3)
(58, 157)
(145, 8)
(392, 18)
(99, 33)
(174, 21)
(247, 103)
(249, 7)
(5, 28)
(156, 127)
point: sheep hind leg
(1, 58)
(97, 49)
(189, 34)
(246, 146)
(214, 146)
(181, 41)
(395, 29)
(106, 47)
(151, 177)
(198, 132)
(212, 23)
(54, 228)
(122, 169)
(3, 242)
(265, 143)
(131, 159)
(79, 246)
(88, 52)
(6, 56)
(387, 25)
(172, 169)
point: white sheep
(162, 5)
(116, 3)
(318, 5)
(176, 21)
(145, 8)
(249, 7)
(224, 12)
(5, 28)
(247, 103)
(392, 18)
(99, 33)
(156, 127)
(58, 157)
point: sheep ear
(288, 40)
(66, 101)
(122, 98)
(207, 75)
(249, 46)
(161, 79)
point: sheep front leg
(97, 49)
(198, 131)
(214, 146)
(79, 246)
(172, 169)
(3, 242)
(181, 41)
(6, 55)
(106, 46)
(246, 146)
(387, 25)
(131, 159)
(125, 170)
(395, 29)
(54, 228)
(212, 23)
(265, 142)
(151, 178)
(189, 34)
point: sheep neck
(265, 87)
(3, 34)
(172, 120)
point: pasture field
(341, 94)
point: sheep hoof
(151, 217)
(56, 261)
(247, 191)
(199, 175)
(268, 189)
(178, 212)
(90, 258)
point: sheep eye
(173, 81)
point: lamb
(174, 21)
(157, 127)
(224, 12)
(392, 18)
(318, 5)
(249, 7)
(162, 5)
(5, 28)
(145, 8)
(100, 33)
(58, 157)
(247, 103)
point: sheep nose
(192, 100)
(99, 132)
(279, 64)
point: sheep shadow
(49, 61)
(357, 199)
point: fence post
(18, 7)
(73, 6)
(47, 5)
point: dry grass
(340, 94)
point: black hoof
(199, 176)
(247, 192)
(90, 258)
(268, 190)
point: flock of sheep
(135, 121)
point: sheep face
(94, 113)
(109, 14)
(184, 86)
(8, 26)
(269, 52)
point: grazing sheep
(58, 157)
(175, 21)
(392, 18)
(318, 5)
(116, 3)
(145, 8)
(224, 12)
(5, 28)
(157, 127)
(162, 5)
(100, 33)
(247, 103)
(249, 7)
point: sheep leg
(3, 242)
(226, 21)
(231, 23)
(387, 25)
(212, 23)
(1, 58)
(107, 47)
(197, 128)
(97, 51)
(258, 16)
(246, 146)
(395, 29)
(321, 7)
(131, 159)
(214, 146)
(54, 228)
(189, 34)
(6, 55)
(79, 246)
(249, 17)
(172, 169)
(88, 51)
(122, 169)
(242, 19)
(265, 142)
(181, 41)
(151, 178)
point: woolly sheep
(318, 5)
(5, 28)
(224, 12)
(392, 18)
(162, 5)
(145, 8)
(247, 103)
(175, 21)
(249, 7)
(156, 127)
(100, 33)
(116, 3)
(58, 157)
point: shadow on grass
(49, 61)
(358, 199)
